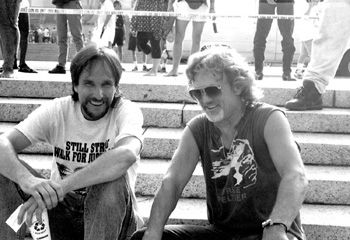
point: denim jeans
(105, 212)
(285, 26)
(194, 232)
(330, 44)
(9, 10)
(75, 26)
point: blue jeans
(330, 44)
(105, 212)
(75, 26)
(286, 28)
(194, 232)
(9, 10)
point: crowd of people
(254, 176)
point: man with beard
(96, 139)
(254, 176)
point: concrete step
(324, 222)
(327, 184)
(175, 115)
(162, 89)
(316, 148)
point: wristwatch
(269, 222)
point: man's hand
(275, 232)
(29, 207)
(45, 192)
(271, 2)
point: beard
(93, 112)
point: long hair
(88, 54)
(223, 60)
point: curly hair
(86, 56)
(223, 60)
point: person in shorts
(119, 36)
(132, 47)
(187, 8)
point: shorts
(185, 10)
(118, 37)
(133, 44)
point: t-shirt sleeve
(129, 122)
(39, 125)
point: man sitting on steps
(254, 175)
(96, 140)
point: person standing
(285, 26)
(149, 29)
(9, 35)
(308, 30)
(104, 32)
(23, 25)
(75, 26)
(119, 35)
(328, 49)
(187, 7)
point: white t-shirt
(76, 141)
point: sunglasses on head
(212, 92)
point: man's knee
(110, 194)
(9, 197)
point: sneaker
(58, 70)
(306, 98)
(259, 76)
(134, 69)
(287, 77)
(299, 73)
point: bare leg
(196, 36)
(153, 71)
(120, 53)
(180, 28)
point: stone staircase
(323, 136)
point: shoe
(24, 68)
(145, 69)
(162, 70)
(15, 65)
(259, 76)
(58, 70)
(134, 69)
(307, 98)
(287, 77)
(299, 73)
